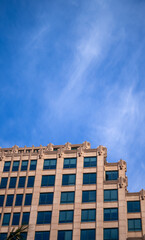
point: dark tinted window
(111, 175)
(21, 182)
(16, 218)
(2, 200)
(110, 214)
(33, 164)
(46, 198)
(24, 235)
(88, 215)
(64, 235)
(111, 234)
(31, 180)
(89, 196)
(4, 182)
(12, 183)
(19, 198)
(49, 164)
(25, 218)
(133, 206)
(9, 201)
(88, 234)
(89, 178)
(3, 236)
(110, 195)
(90, 161)
(7, 167)
(68, 179)
(66, 216)
(42, 235)
(15, 166)
(24, 165)
(48, 180)
(28, 199)
(44, 217)
(6, 219)
(67, 197)
(69, 163)
(134, 225)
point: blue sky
(72, 71)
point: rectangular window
(21, 183)
(69, 163)
(2, 200)
(90, 162)
(4, 182)
(134, 225)
(33, 165)
(49, 164)
(110, 195)
(46, 198)
(25, 218)
(3, 236)
(133, 206)
(64, 235)
(7, 167)
(88, 215)
(12, 183)
(89, 196)
(42, 235)
(67, 197)
(24, 165)
(111, 175)
(15, 166)
(66, 216)
(24, 235)
(89, 178)
(111, 234)
(48, 180)
(44, 217)
(16, 218)
(28, 199)
(88, 234)
(110, 214)
(9, 201)
(31, 180)
(19, 198)
(68, 179)
(6, 219)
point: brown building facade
(68, 192)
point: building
(68, 192)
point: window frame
(66, 214)
(67, 197)
(7, 168)
(90, 162)
(90, 179)
(112, 176)
(69, 165)
(135, 229)
(49, 166)
(66, 180)
(110, 191)
(89, 192)
(88, 212)
(109, 216)
(46, 195)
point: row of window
(21, 183)
(18, 201)
(49, 164)
(16, 219)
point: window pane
(46, 198)
(15, 166)
(67, 197)
(19, 198)
(88, 234)
(69, 163)
(66, 216)
(48, 180)
(25, 219)
(33, 164)
(9, 201)
(110, 195)
(133, 206)
(89, 196)
(4, 182)
(44, 217)
(42, 235)
(88, 215)
(24, 165)
(2, 200)
(49, 164)
(24, 235)
(64, 235)
(89, 178)
(28, 199)
(6, 219)
(90, 161)
(68, 179)
(111, 234)
(31, 180)
(134, 225)
(12, 183)
(21, 182)
(16, 218)
(7, 167)
(110, 214)
(3, 236)
(111, 175)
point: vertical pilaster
(142, 203)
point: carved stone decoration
(86, 145)
(123, 182)
(15, 149)
(67, 146)
(60, 152)
(80, 151)
(40, 153)
(102, 151)
(122, 164)
(49, 147)
(142, 194)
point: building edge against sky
(67, 192)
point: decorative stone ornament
(142, 194)
(122, 164)
(80, 151)
(86, 145)
(67, 146)
(60, 152)
(15, 149)
(49, 147)
(102, 151)
(123, 183)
